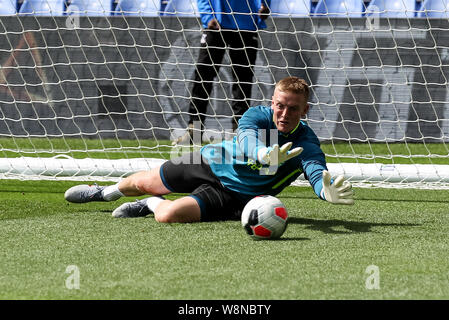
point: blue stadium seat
(392, 8)
(43, 7)
(7, 7)
(186, 8)
(340, 8)
(286, 8)
(91, 7)
(149, 8)
(434, 9)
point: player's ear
(305, 110)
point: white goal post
(97, 97)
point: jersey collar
(291, 132)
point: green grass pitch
(325, 253)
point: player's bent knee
(144, 186)
(178, 212)
(170, 217)
(149, 182)
(165, 218)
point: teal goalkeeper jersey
(235, 162)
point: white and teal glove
(339, 192)
(275, 156)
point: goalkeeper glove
(275, 156)
(339, 192)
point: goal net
(99, 95)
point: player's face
(288, 109)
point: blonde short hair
(294, 85)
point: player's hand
(213, 25)
(339, 192)
(275, 156)
(264, 11)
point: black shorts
(216, 202)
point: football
(264, 217)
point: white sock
(153, 202)
(111, 193)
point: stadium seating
(186, 8)
(294, 8)
(434, 9)
(91, 7)
(43, 7)
(7, 7)
(340, 8)
(392, 8)
(149, 8)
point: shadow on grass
(395, 199)
(291, 239)
(328, 226)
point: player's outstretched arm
(339, 192)
(274, 156)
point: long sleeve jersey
(233, 14)
(235, 162)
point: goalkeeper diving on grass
(272, 148)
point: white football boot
(84, 193)
(134, 209)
